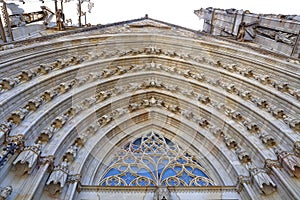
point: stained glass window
(153, 160)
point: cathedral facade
(144, 109)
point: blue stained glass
(186, 178)
(112, 172)
(198, 172)
(138, 142)
(168, 173)
(181, 161)
(154, 158)
(128, 177)
(178, 168)
(129, 160)
(144, 172)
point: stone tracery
(154, 161)
(155, 74)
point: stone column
(286, 182)
(244, 184)
(34, 185)
(73, 183)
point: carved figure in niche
(135, 86)
(251, 126)
(204, 99)
(286, 38)
(236, 116)
(171, 87)
(48, 95)
(231, 88)
(295, 124)
(243, 156)
(261, 179)
(59, 122)
(231, 67)
(153, 83)
(202, 122)
(173, 108)
(5, 192)
(278, 113)
(246, 95)
(105, 119)
(162, 193)
(283, 87)
(27, 159)
(218, 132)
(199, 77)
(265, 79)
(134, 106)
(17, 116)
(119, 112)
(297, 148)
(289, 161)
(71, 152)
(60, 19)
(91, 129)
(241, 32)
(103, 95)
(89, 101)
(268, 140)
(46, 134)
(230, 142)
(247, 73)
(8, 83)
(33, 104)
(25, 75)
(187, 114)
(5, 127)
(187, 92)
(63, 88)
(44, 69)
(109, 72)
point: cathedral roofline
(86, 29)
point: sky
(179, 12)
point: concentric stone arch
(75, 98)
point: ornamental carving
(262, 181)
(58, 178)
(153, 160)
(5, 192)
(27, 159)
(297, 148)
(289, 162)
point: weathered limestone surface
(69, 104)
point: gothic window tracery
(153, 160)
